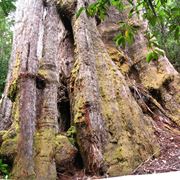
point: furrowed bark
(85, 93)
(128, 144)
(159, 78)
(120, 120)
(5, 113)
(48, 75)
(26, 59)
(156, 83)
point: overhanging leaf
(78, 13)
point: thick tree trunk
(72, 94)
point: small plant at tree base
(4, 169)
(71, 133)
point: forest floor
(168, 160)
(168, 137)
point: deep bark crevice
(40, 83)
(79, 162)
(67, 23)
(63, 104)
(134, 74)
(72, 169)
(64, 119)
(156, 93)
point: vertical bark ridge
(5, 112)
(124, 121)
(48, 73)
(45, 134)
(85, 93)
(23, 74)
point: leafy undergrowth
(4, 170)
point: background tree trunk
(73, 100)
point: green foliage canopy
(164, 13)
(6, 6)
(167, 33)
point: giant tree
(72, 97)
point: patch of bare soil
(79, 175)
(168, 135)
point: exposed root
(149, 104)
(166, 131)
